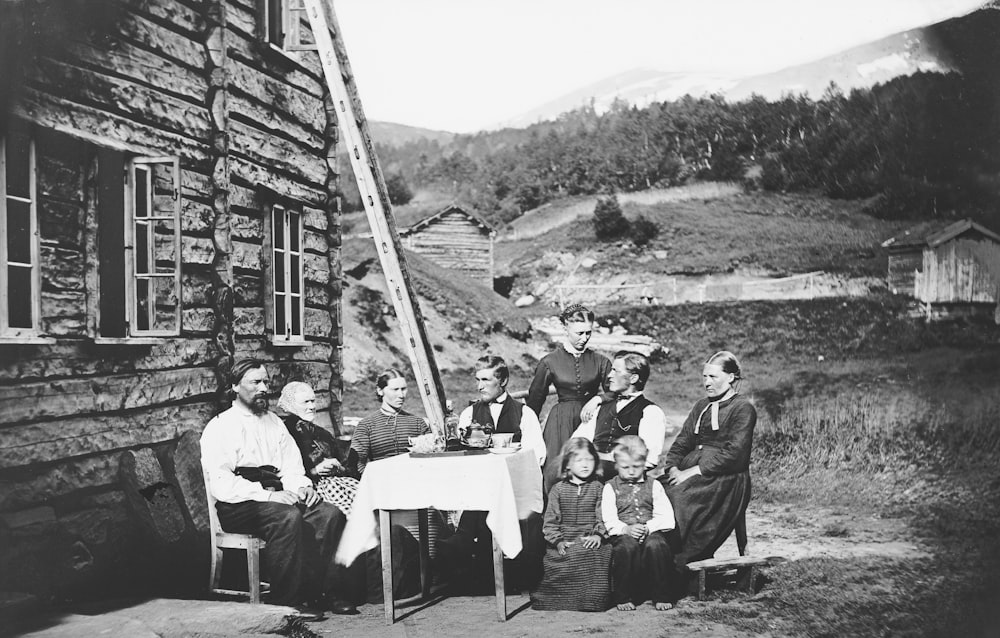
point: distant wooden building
(946, 263)
(456, 239)
(168, 200)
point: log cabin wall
(902, 265)
(98, 436)
(456, 241)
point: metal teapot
(477, 435)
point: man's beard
(258, 405)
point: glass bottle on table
(453, 440)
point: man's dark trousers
(301, 542)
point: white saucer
(504, 450)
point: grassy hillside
(773, 234)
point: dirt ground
(794, 533)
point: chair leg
(253, 572)
(215, 575)
(741, 533)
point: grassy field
(776, 234)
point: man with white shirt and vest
(624, 410)
(472, 543)
(256, 476)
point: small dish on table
(505, 450)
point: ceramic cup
(502, 440)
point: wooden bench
(740, 563)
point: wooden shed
(169, 204)
(946, 263)
(457, 239)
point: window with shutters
(20, 277)
(287, 284)
(139, 245)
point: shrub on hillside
(643, 231)
(609, 222)
(398, 190)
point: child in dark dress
(577, 558)
(638, 515)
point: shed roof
(935, 233)
(451, 208)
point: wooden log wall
(902, 265)
(83, 425)
(456, 242)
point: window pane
(165, 295)
(278, 228)
(163, 190)
(274, 22)
(294, 231)
(142, 248)
(19, 297)
(280, 328)
(166, 247)
(18, 164)
(293, 275)
(279, 273)
(18, 231)
(142, 304)
(141, 192)
(296, 316)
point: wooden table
(507, 487)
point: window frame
(286, 337)
(289, 21)
(34, 333)
(132, 277)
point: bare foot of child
(663, 606)
(626, 607)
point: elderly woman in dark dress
(322, 457)
(577, 373)
(708, 466)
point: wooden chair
(225, 540)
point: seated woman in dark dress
(708, 466)
(322, 457)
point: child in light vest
(638, 517)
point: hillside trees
(918, 143)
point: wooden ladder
(368, 174)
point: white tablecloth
(507, 486)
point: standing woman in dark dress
(578, 375)
(708, 466)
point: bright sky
(463, 65)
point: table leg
(425, 553)
(498, 582)
(386, 543)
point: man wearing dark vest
(498, 409)
(624, 410)
(467, 555)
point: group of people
(621, 519)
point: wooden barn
(456, 239)
(167, 207)
(955, 263)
